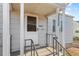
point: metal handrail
(58, 44)
(32, 45)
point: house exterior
(68, 27)
(33, 21)
(76, 29)
(1, 20)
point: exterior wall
(69, 29)
(50, 26)
(1, 27)
(42, 21)
(50, 23)
(15, 31)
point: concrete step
(42, 51)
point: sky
(73, 10)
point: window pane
(61, 26)
(31, 23)
(54, 25)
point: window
(54, 25)
(58, 19)
(31, 23)
(61, 26)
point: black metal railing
(33, 49)
(57, 46)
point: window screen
(61, 26)
(31, 23)
(54, 25)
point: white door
(51, 30)
(31, 25)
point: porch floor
(46, 51)
(42, 51)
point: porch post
(63, 28)
(57, 24)
(6, 34)
(22, 29)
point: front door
(31, 25)
(51, 30)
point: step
(42, 51)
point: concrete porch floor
(46, 51)
(42, 51)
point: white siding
(42, 30)
(50, 26)
(50, 22)
(15, 28)
(15, 31)
(69, 29)
(1, 14)
(1, 27)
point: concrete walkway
(42, 51)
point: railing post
(56, 46)
(46, 39)
(58, 50)
(24, 47)
(53, 45)
(31, 47)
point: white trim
(22, 29)
(33, 15)
(6, 36)
(57, 26)
(63, 29)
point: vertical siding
(1, 27)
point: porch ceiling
(36, 8)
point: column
(63, 28)
(6, 35)
(22, 29)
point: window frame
(54, 26)
(32, 15)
